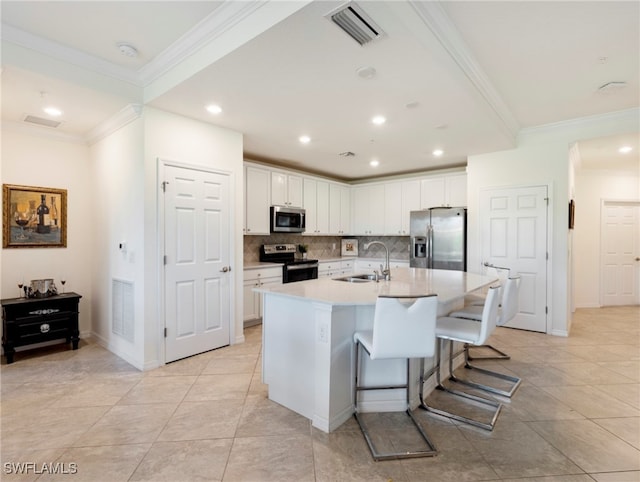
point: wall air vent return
(357, 24)
(32, 119)
(122, 322)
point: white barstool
(402, 328)
(506, 311)
(478, 300)
(472, 332)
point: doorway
(514, 235)
(620, 253)
(197, 254)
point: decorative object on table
(303, 250)
(34, 217)
(41, 288)
(349, 247)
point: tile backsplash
(320, 247)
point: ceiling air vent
(357, 24)
(32, 119)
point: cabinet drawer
(39, 328)
(261, 273)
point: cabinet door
(310, 205)
(335, 209)
(294, 191)
(360, 205)
(322, 212)
(457, 190)
(410, 202)
(278, 189)
(376, 209)
(256, 201)
(432, 192)
(251, 300)
(345, 210)
(393, 208)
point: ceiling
(464, 77)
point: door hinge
(547, 255)
(165, 332)
(164, 186)
(164, 259)
(547, 200)
(546, 310)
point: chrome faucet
(386, 271)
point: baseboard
(107, 345)
(588, 305)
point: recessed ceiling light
(128, 50)
(304, 139)
(53, 111)
(379, 120)
(214, 109)
(412, 105)
(366, 72)
(625, 149)
(438, 152)
(374, 163)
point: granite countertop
(448, 285)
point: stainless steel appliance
(293, 269)
(439, 238)
(287, 220)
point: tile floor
(576, 417)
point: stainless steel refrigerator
(439, 238)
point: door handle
(637, 258)
(225, 269)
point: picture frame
(29, 224)
(349, 247)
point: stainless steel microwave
(287, 220)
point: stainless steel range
(293, 269)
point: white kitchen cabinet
(447, 191)
(286, 189)
(368, 209)
(346, 266)
(316, 205)
(256, 190)
(329, 269)
(339, 209)
(255, 278)
(400, 199)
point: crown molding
(439, 23)
(208, 29)
(598, 125)
(115, 122)
(67, 54)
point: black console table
(33, 320)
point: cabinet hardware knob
(44, 328)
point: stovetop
(282, 253)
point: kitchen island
(308, 351)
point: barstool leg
(429, 452)
(497, 406)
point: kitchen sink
(357, 278)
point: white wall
(31, 158)
(175, 138)
(528, 165)
(117, 185)
(592, 186)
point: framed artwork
(349, 247)
(34, 217)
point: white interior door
(514, 235)
(197, 260)
(620, 253)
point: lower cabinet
(331, 269)
(252, 301)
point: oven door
(299, 272)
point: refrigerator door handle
(430, 246)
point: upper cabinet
(286, 189)
(444, 191)
(339, 209)
(256, 189)
(368, 209)
(316, 205)
(400, 199)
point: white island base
(308, 350)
